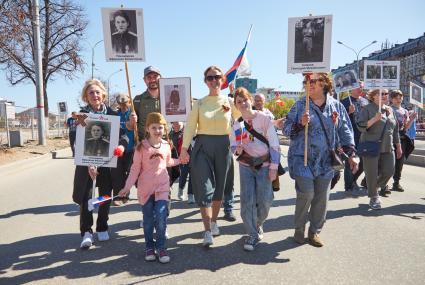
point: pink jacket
(150, 168)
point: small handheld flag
(96, 202)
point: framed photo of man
(123, 34)
(96, 140)
(345, 80)
(63, 108)
(309, 44)
(416, 95)
(382, 74)
(175, 98)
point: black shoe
(382, 193)
(397, 187)
(386, 189)
(228, 216)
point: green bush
(280, 106)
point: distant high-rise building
(249, 83)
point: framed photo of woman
(123, 34)
(96, 140)
(175, 98)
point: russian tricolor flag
(240, 134)
(239, 67)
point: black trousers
(400, 161)
(86, 216)
(72, 136)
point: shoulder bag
(371, 148)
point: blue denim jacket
(318, 162)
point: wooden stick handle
(307, 107)
(136, 134)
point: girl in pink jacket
(149, 168)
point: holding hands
(184, 156)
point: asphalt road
(39, 238)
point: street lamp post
(108, 80)
(92, 57)
(357, 54)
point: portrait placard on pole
(123, 34)
(63, 108)
(381, 74)
(345, 81)
(416, 95)
(95, 142)
(309, 44)
(175, 98)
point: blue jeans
(155, 215)
(228, 197)
(184, 173)
(256, 197)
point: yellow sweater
(209, 117)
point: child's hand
(124, 192)
(272, 174)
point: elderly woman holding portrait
(329, 128)
(210, 158)
(378, 125)
(94, 94)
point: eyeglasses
(212, 77)
(312, 81)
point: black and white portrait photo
(345, 80)
(389, 72)
(175, 98)
(309, 44)
(309, 37)
(97, 139)
(382, 74)
(416, 96)
(62, 108)
(373, 72)
(123, 34)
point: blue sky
(182, 38)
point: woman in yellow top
(210, 158)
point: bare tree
(62, 24)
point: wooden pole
(307, 107)
(136, 134)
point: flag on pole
(239, 67)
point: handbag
(371, 148)
(249, 128)
(337, 162)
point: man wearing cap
(148, 101)
(127, 124)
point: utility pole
(38, 75)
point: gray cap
(150, 69)
(122, 98)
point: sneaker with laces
(215, 231)
(181, 195)
(208, 239)
(250, 243)
(102, 236)
(150, 255)
(191, 199)
(163, 256)
(260, 232)
(87, 240)
(375, 203)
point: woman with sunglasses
(210, 158)
(326, 119)
(374, 123)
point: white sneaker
(260, 232)
(208, 239)
(181, 195)
(191, 199)
(141, 224)
(102, 236)
(215, 231)
(87, 240)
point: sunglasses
(384, 93)
(212, 77)
(312, 81)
